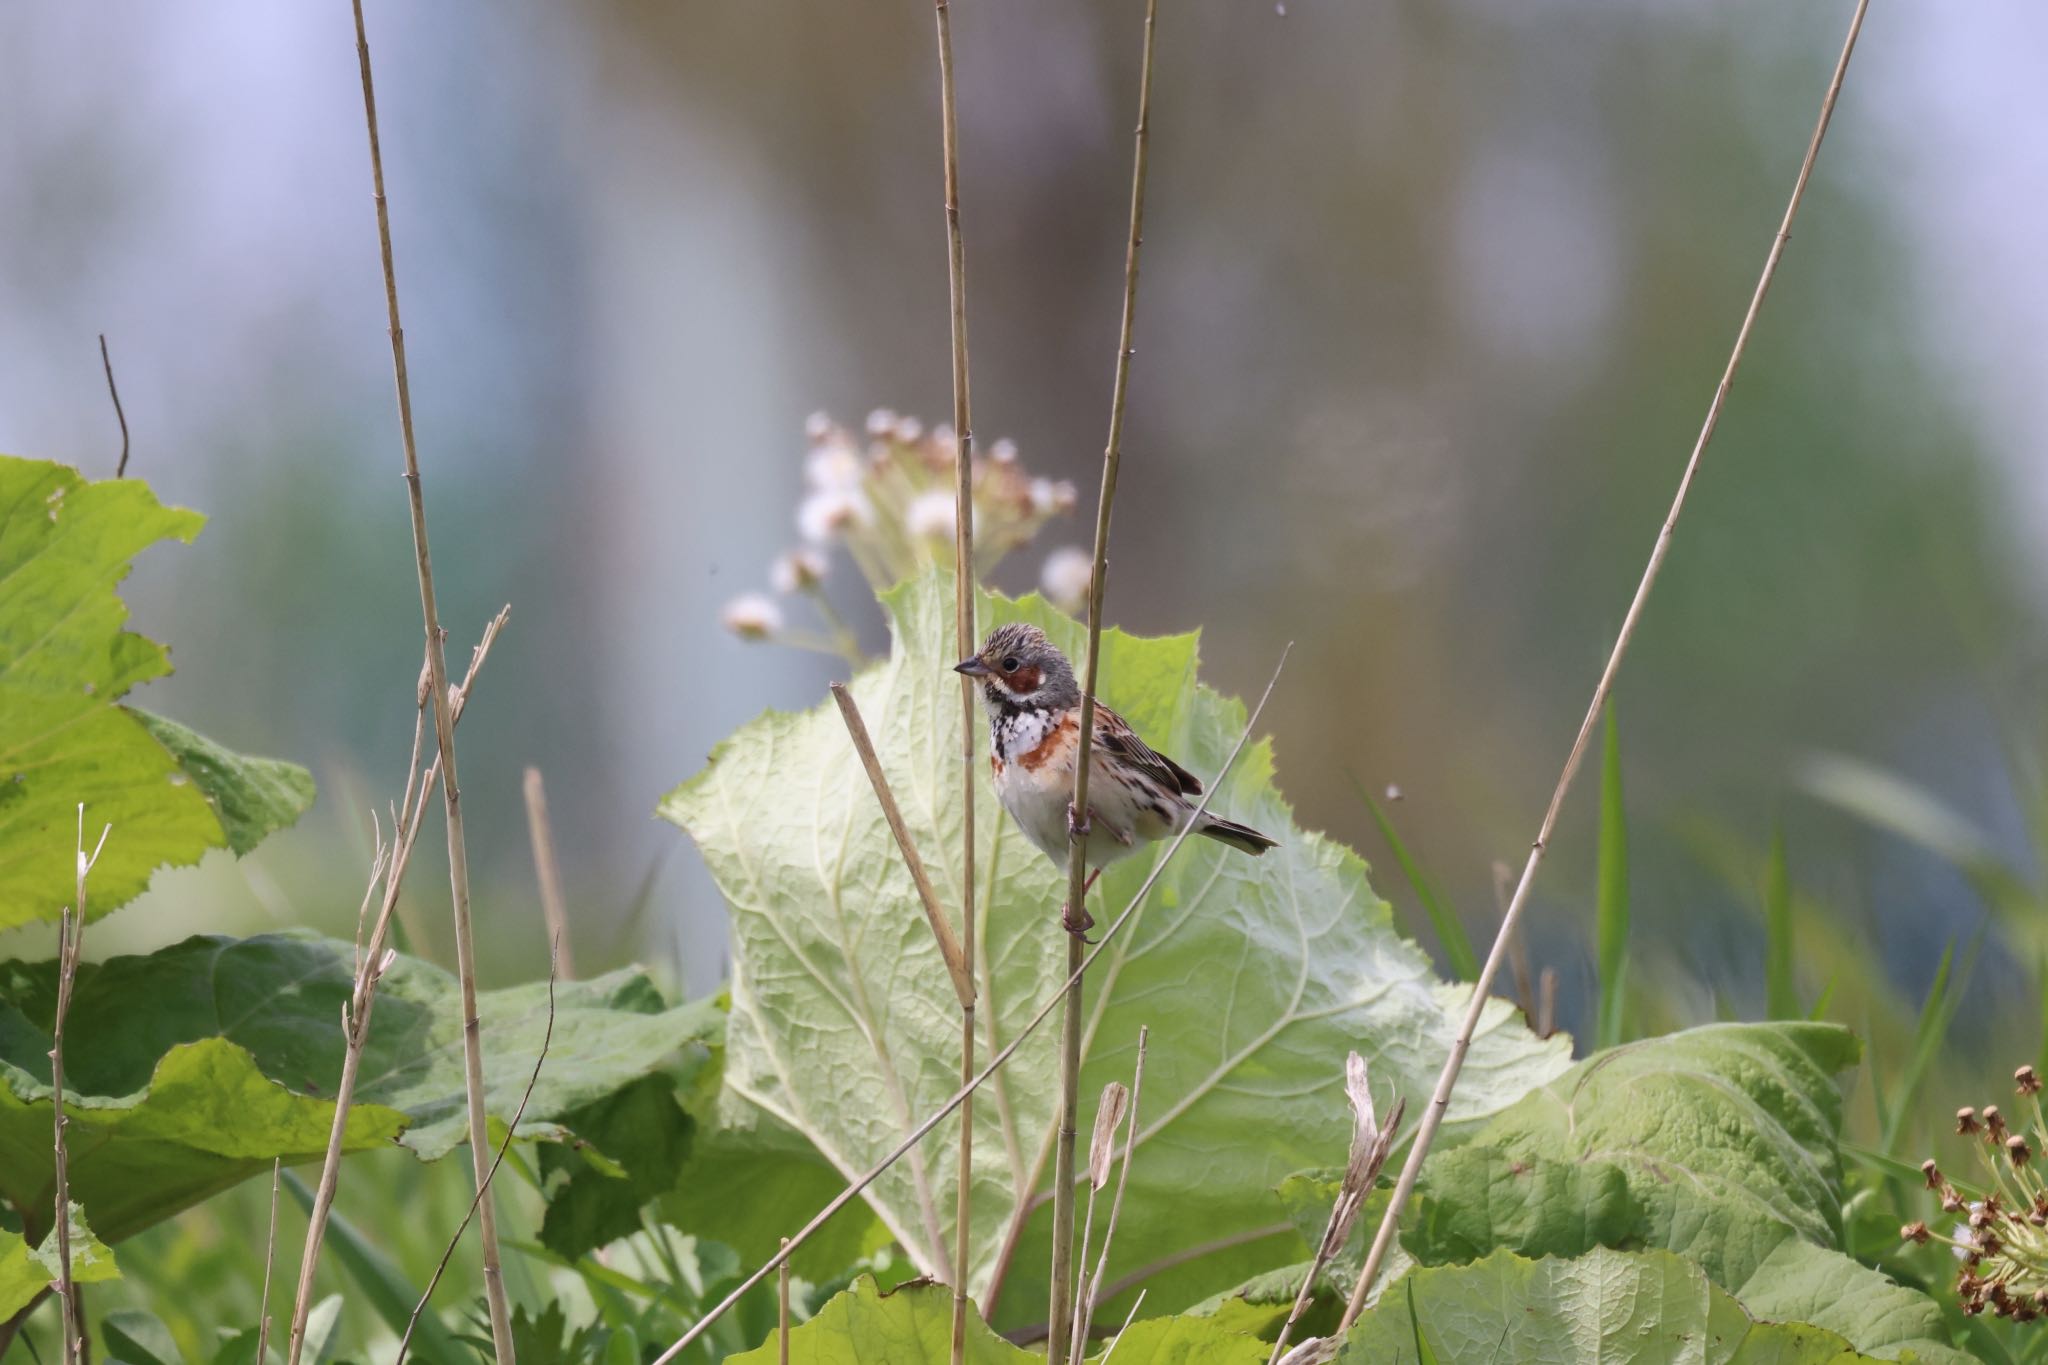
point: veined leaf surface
(1256, 975)
(191, 1068)
(65, 661)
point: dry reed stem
(1085, 1310)
(483, 1190)
(918, 1134)
(1078, 815)
(1433, 1116)
(107, 364)
(444, 734)
(553, 908)
(269, 1259)
(949, 947)
(387, 868)
(963, 640)
(70, 943)
(782, 1308)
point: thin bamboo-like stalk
(554, 908)
(957, 965)
(482, 1198)
(269, 1260)
(963, 642)
(1093, 1295)
(1078, 814)
(1433, 1115)
(995, 1064)
(444, 734)
(387, 869)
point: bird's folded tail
(1241, 837)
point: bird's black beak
(973, 668)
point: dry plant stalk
(1093, 1296)
(1433, 1116)
(963, 640)
(269, 1259)
(1371, 1141)
(444, 734)
(483, 1189)
(995, 1064)
(554, 908)
(107, 363)
(950, 948)
(1077, 814)
(387, 869)
(782, 1308)
(70, 943)
(1109, 1116)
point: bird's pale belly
(1037, 799)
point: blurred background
(1435, 295)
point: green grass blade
(1423, 1354)
(384, 1287)
(1611, 902)
(1450, 931)
(1819, 1011)
(1781, 987)
(1930, 1035)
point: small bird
(1135, 794)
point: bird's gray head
(1020, 669)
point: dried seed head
(1915, 1232)
(1358, 1090)
(1994, 1123)
(1951, 1202)
(1966, 1120)
(1932, 1172)
(2026, 1081)
(1109, 1114)
(2017, 1151)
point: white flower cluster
(889, 497)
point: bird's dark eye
(1010, 664)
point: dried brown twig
(950, 947)
(107, 363)
(388, 865)
(444, 735)
(483, 1189)
(1371, 1141)
(1077, 814)
(269, 1259)
(1433, 1116)
(918, 1134)
(1084, 1308)
(963, 641)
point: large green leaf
(914, 1326)
(1800, 1282)
(193, 1067)
(1725, 1135)
(65, 662)
(1255, 974)
(1610, 1307)
(26, 1270)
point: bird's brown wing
(1113, 735)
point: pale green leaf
(26, 1270)
(1610, 1307)
(1726, 1136)
(1800, 1282)
(65, 661)
(1256, 975)
(913, 1325)
(195, 1066)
